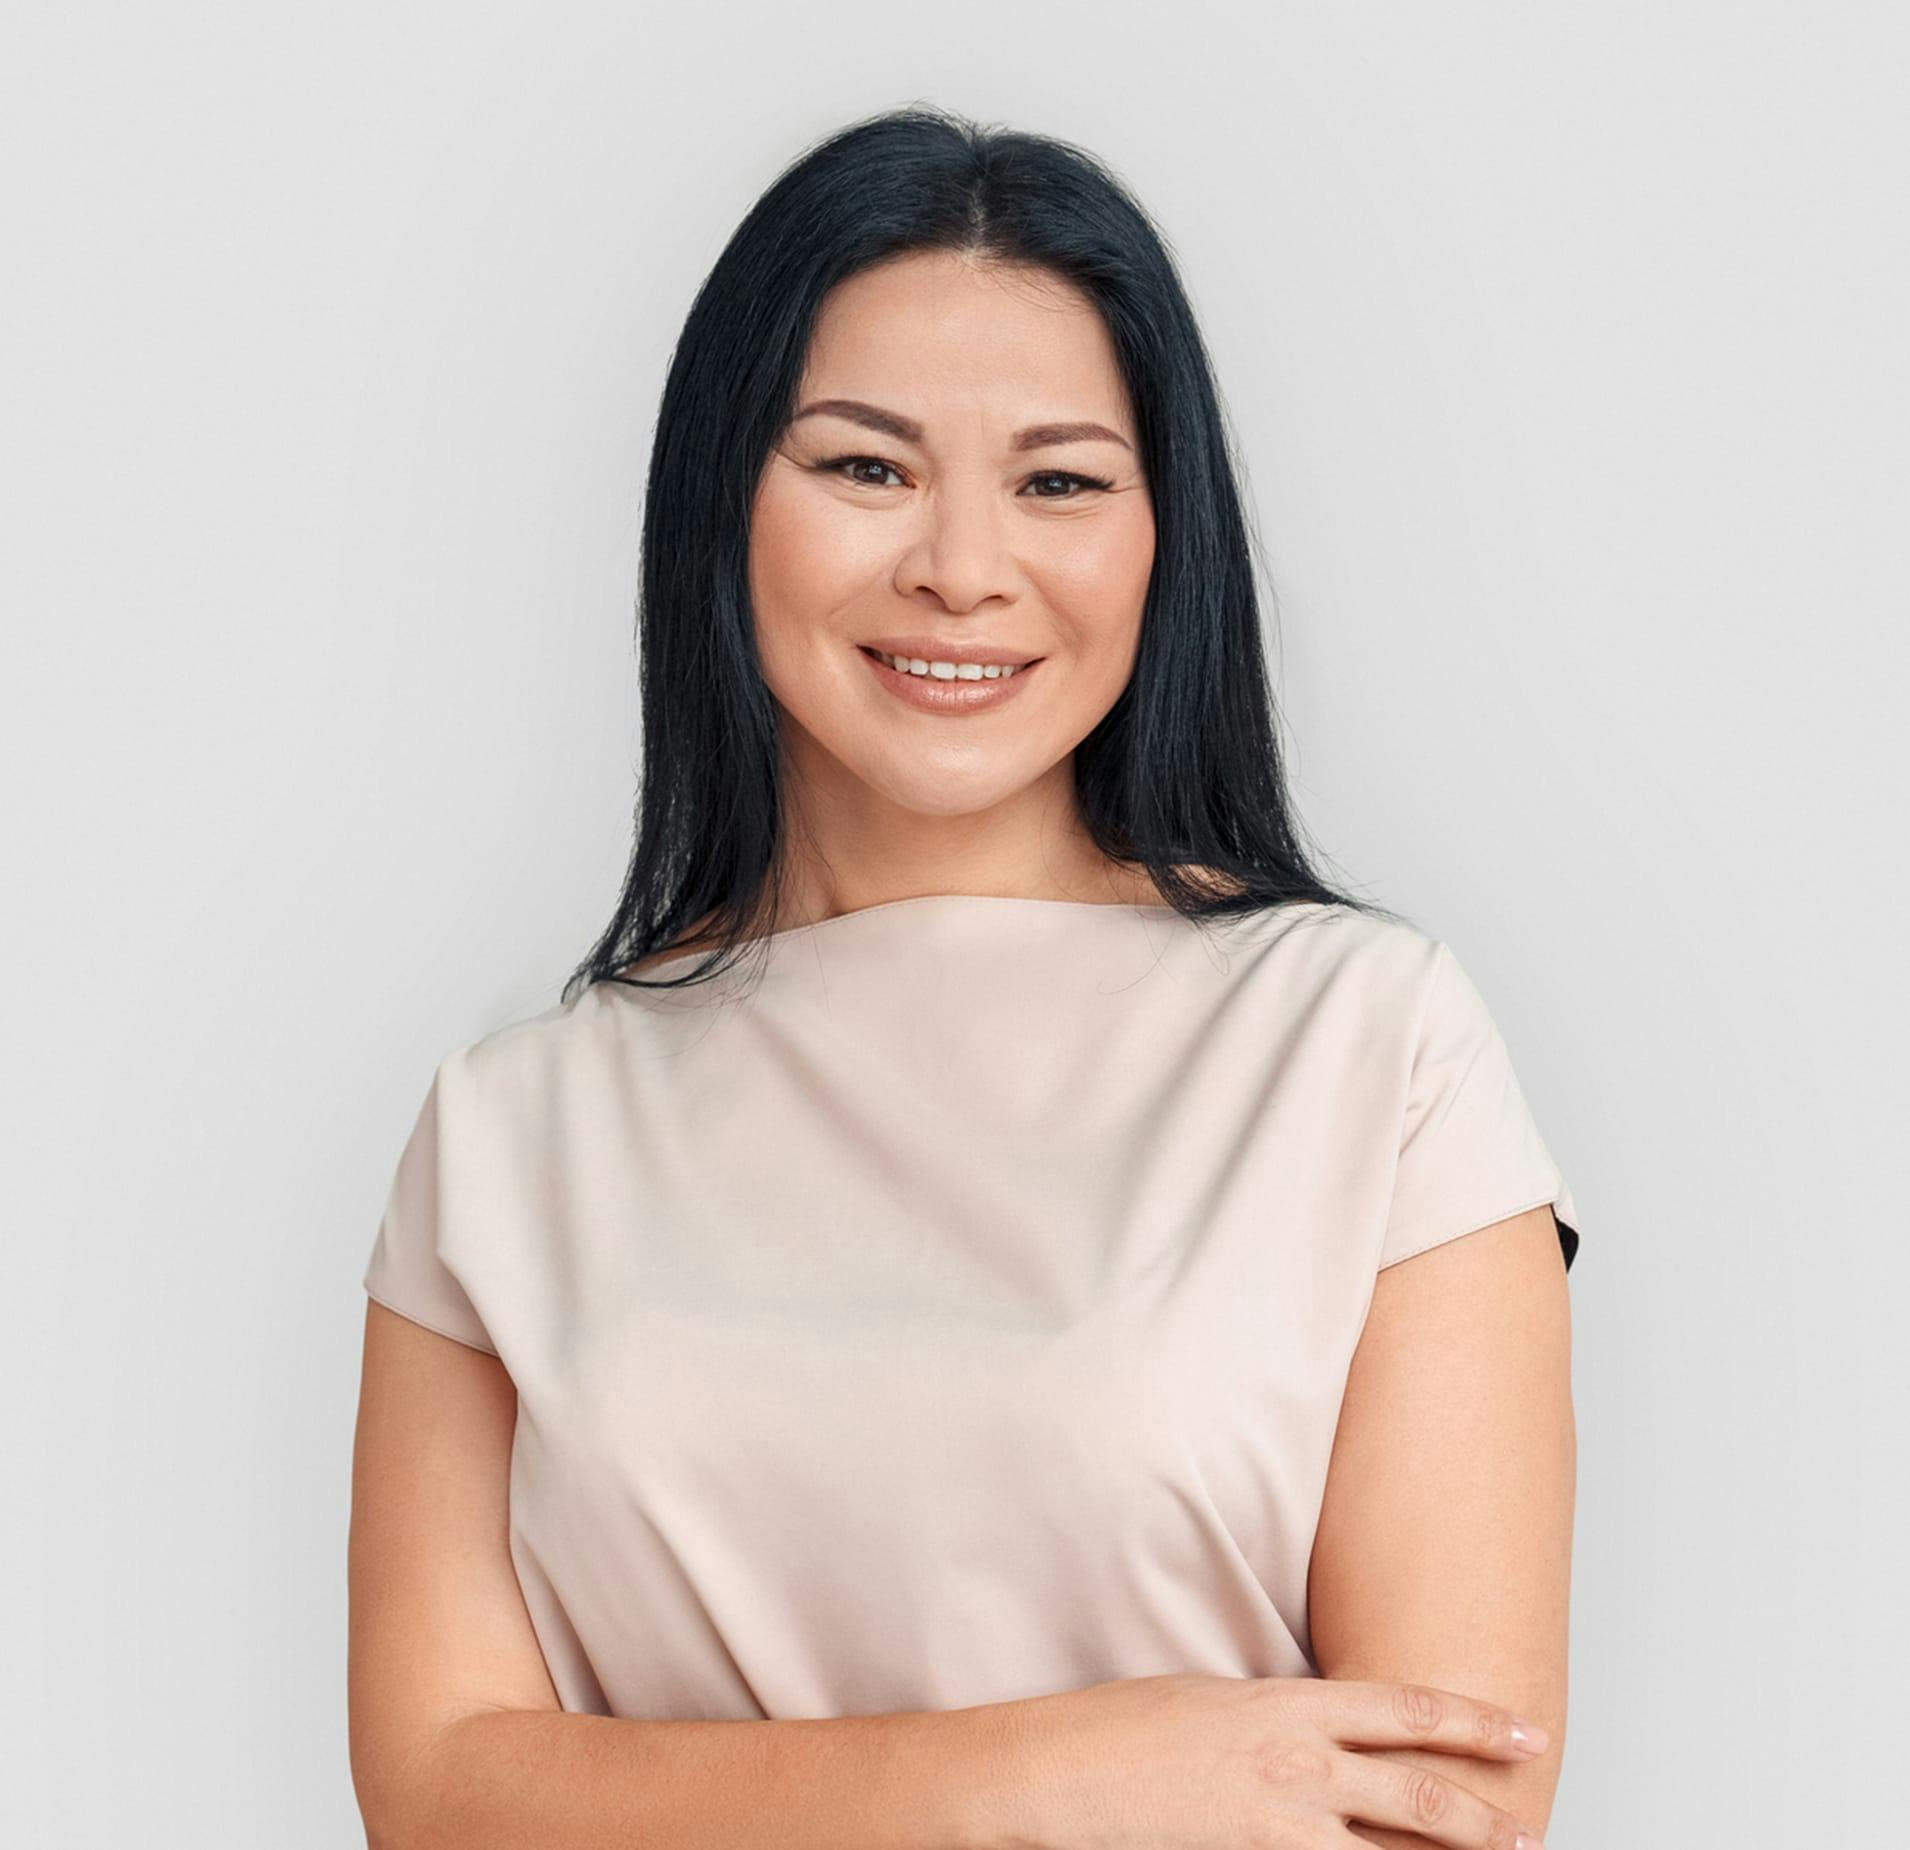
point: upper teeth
(948, 671)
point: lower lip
(932, 694)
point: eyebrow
(907, 430)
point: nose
(960, 553)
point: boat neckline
(984, 900)
(923, 899)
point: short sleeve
(409, 1272)
(1470, 1153)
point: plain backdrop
(1565, 348)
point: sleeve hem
(439, 1329)
(1471, 1222)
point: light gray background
(1566, 349)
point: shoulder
(698, 937)
(1338, 942)
(508, 1068)
(1343, 983)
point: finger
(1361, 1714)
(1416, 1799)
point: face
(939, 488)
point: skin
(956, 533)
(1442, 1554)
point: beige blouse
(957, 1310)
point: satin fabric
(956, 1307)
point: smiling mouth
(947, 672)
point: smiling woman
(999, 1353)
(942, 398)
(958, 531)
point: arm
(457, 1738)
(1443, 1555)
(591, 1782)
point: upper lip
(934, 649)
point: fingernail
(1526, 1841)
(1529, 1738)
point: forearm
(502, 1779)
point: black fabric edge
(1568, 1238)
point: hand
(1193, 1762)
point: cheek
(788, 578)
(781, 564)
(807, 554)
(1100, 589)
(808, 566)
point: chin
(940, 803)
(951, 795)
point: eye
(1062, 475)
(839, 463)
(847, 465)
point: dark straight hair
(1181, 776)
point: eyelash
(1040, 475)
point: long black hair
(1181, 776)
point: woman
(932, 1289)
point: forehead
(936, 333)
